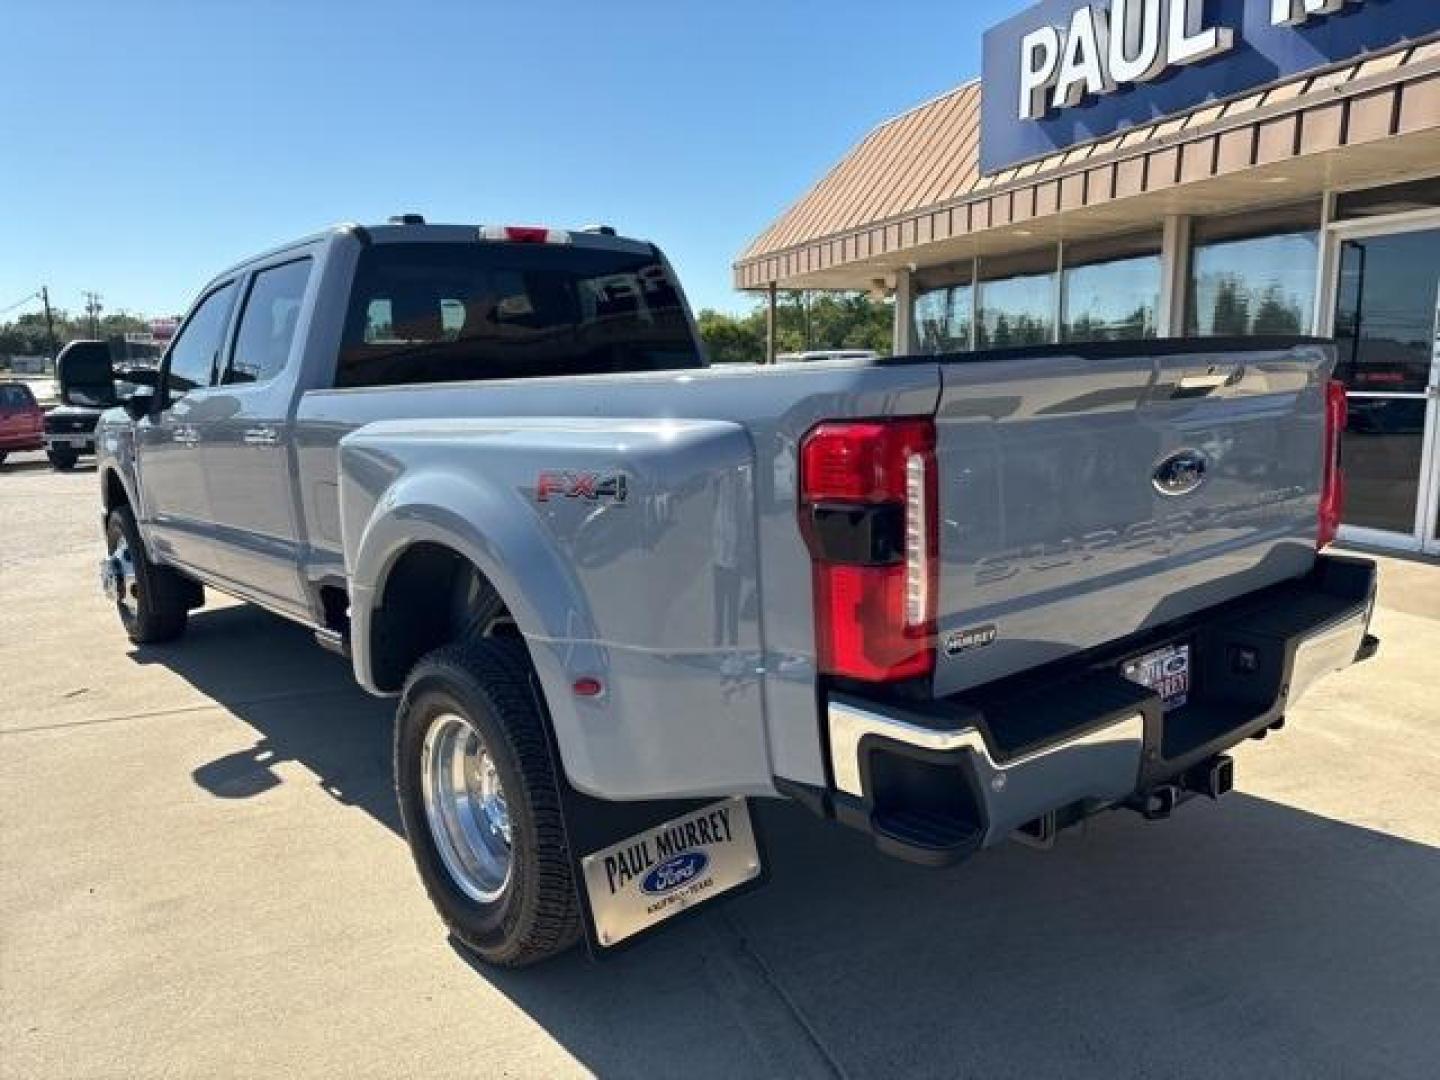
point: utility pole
(49, 323)
(93, 307)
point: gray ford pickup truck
(944, 600)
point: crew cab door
(247, 448)
(175, 501)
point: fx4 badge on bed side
(593, 487)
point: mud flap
(640, 866)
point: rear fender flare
(494, 530)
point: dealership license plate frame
(688, 867)
(1157, 670)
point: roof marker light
(524, 234)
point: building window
(1111, 290)
(1017, 300)
(1254, 274)
(1385, 311)
(944, 311)
(1391, 199)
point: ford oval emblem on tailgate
(1180, 473)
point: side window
(267, 323)
(194, 352)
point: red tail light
(1332, 487)
(868, 513)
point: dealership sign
(1066, 70)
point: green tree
(27, 335)
(1276, 315)
(1231, 314)
(803, 321)
(1087, 328)
(729, 340)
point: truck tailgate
(1091, 492)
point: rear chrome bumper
(1101, 764)
(1330, 649)
(933, 782)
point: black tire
(62, 458)
(162, 596)
(487, 684)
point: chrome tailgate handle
(261, 436)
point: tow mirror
(86, 375)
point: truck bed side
(773, 407)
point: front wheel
(152, 601)
(479, 803)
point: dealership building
(1161, 168)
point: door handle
(261, 436)
(185, 435)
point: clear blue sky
(148, 144)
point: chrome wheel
(119, 578)
(465, 808)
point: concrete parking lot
(201, 874)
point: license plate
(1166, 671)
(656, 874)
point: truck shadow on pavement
(272, 676)
(1244, 938)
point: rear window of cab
(448, 312)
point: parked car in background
(21, 419)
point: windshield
(445, 312)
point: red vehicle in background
(22, 422)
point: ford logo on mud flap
(1180, 473)
(675, 872)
